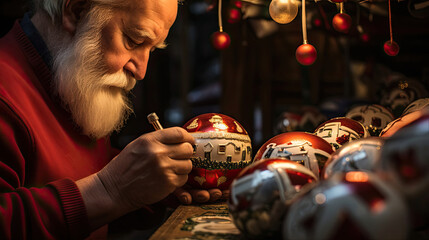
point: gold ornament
(283, 11)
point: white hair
(54, 7)
(96, 99)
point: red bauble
(306, 54)
(222, 149)
(238, 4)
(234, 15)
(391, 48)
(337, 1)
(317, 22)
(365, 37)
(221, 40)
(342, 22)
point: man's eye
(130, 43)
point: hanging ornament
(391, 48)
(342, 21)
(305, 54)
(283, 11)
(220, 39)
(337, 1)
(234, 15)
(238, 4)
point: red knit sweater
(42, 152)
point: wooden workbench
(206, 221)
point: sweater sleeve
(54, 211)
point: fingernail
(184, 199)
(217, 195)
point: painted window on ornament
(243, 155)
(221, 149)
(237, 149)
(229, 158)
(207, 155)
(249, 150)
(195, 147)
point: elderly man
(65, 72)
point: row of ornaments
(265, 187)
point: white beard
(96, 99)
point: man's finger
(200, 195)
(182, 167)
(215, 194)
(183, 196)
(174, 135)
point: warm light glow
(283, 11)
(356, 177)
(222, 126)
(320, 198)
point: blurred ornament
(400, 122)
(287, 122)
(221, 40)
(341, 130)
(317, 22)
(283, 11)
(304, 148)
(391, 48)
(360, 155)
(404, 163)
(306, 54)
(416, 106)
(342, 22)
(234, 15)
(336, 1)
(352, 205)
(260, 195)
(364, 36)
(373, 117)
(238, 4)
(311, 118)
(400, 93)
(222, 149)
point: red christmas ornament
(222, 149)
(238, 4)
(234, 15)
(391, 48)
(317, 22)
(221, 40)
(337, 1)
(365, 37)
(342, 22)
(306, 54)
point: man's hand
(187, 196)
(146, 171)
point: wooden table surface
(206, 221)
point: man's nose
(137, 66)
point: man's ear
(73, 11)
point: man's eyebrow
(141, 33)
(161, 45)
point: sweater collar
(36, 39)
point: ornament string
(219, 14)
(390, 24)
(304, 23)
(341, 7)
